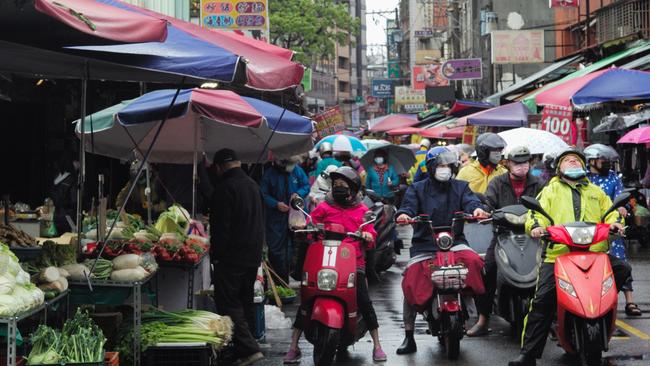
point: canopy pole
(195, 176)
(148, 194)
(135, 179)
(82, 158)
(268, 141)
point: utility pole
(588, 21)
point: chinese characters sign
(430, 75)
(405, 95)
(329, 122)
(559, 121)
(382, 88)
(234, 14)
(517, 47)
(463, 69)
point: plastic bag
(275, 319)
(296, 219)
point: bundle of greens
(102, 270)
(80, 341)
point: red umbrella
(560, 95)
(639, 135)
(105, 21)
(453, 133)
(405, 131)
(392, 121)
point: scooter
(328, 289)
(383, 256)
(586, 291)
(446, 314)
(517, 256)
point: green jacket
(477, 178)
(557, 200)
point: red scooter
(328, 291)
(445, 312)
(586, 292)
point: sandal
(478, 331)
(631, 309)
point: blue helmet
(441, 155)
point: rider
(600, 158)
(381, 178)
(420, 158)
(479, 173)
(439, 197)
(326, 151)
(343, 206)
(568, 197)
(504, 190)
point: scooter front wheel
(452, 336)
(591, 350)
(327, 341)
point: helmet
(549, 160)
(487, 142)
(600, 151)
(441, 155)
(349, 175)
(325, 148)
(425, 143)
(564, 153)
(518, 154)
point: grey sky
(376, 24)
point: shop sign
(414, 108)
(462, 69)
(559, 121)
(564, 3)
(517, 47)
(393, 70)
(405, 95)
(382, 88)
(329, 122)
(424, 33)
(428, 76)
(234, 14)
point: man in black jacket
(237, 234)
(504, 190)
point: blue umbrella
(613, 85)
(344, 143)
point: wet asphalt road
(631, 345)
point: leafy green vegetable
(282, 292)
(103, 268)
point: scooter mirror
(619, 201)
(369, 217)
(297, 203)
(534, 205)
(373, 195)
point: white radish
(48, 274)
(77, 271)
(129, 274)
(63, 272)
(127, 261)
(52, 286)
(63, 282)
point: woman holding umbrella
(381, 178)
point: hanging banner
(517, 47)
(558, 120)
(329, 122)
(382, 88)
(250, 18)
(428, 76)
(564, 3)
(405, 95)
(462, 69)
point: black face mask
(341, 195)
(605, 168)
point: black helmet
(487, 142)
(564, 153)
(518, 154)
(349, 175)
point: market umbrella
(404, 131)
(463, 108)
(537, 141)
(392, 121)
(343, 143)
(639, 135)
(613, 85)
(507, 115)
(371, 143)
(560, 95)
(399, 157)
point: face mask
(574, 173)
(495, 157)
(289, 168)
(520, 170)
(340, 194)
(536, 172)
(443, 174)
(379, 160)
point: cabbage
(8, 305)
(6, 284)
(181, 216)
(24, 299)
(9, 263)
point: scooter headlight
(607, 285)
(581, 235)
(567, 287)
(516, 219)
(503, 256)
(327, 279)
(445, 241)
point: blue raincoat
(278, 186)
(613, 186)
(382, 189)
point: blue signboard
(382, 88)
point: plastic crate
(111, 359)
(178, 355)
(19, 361)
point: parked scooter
(328, 289)
(446, 314)
(517, 256)
(383, 256)
(586, 291)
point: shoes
(378, 355)
(292, 357)
(249, 360)
(631, 309)
(478, 330)
(407, 347)
(342, 354)
(522, 360)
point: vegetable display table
(190, 268)
(12, 322)
(135, 288)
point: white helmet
(425, 143)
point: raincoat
(278, 186)
(324, 163)
(350, 218)
(478, 177)
(382, 188)
(613, 186)
(557, 200)
(419, 167)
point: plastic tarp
(508, 115)
(466, 107)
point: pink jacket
(351, 218)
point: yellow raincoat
(477, 177)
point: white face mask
(379, 160)
(443, 174)
(495, 157)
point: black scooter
(517, 258)
(383, 256)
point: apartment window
(344, 63)
(344, 87)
